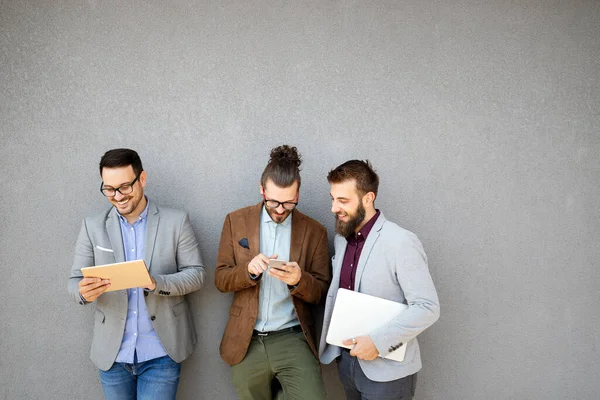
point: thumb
(273, 257)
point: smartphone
(277, 264)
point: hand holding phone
(277, 264)
(286, 271)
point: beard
(278, 218)
(347, 228)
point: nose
(118, 195)
(334, 207)
(280, 209)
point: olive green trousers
(284, 356)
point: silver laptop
(356, 314)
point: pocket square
(104, 249)
(244, 243)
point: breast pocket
(103, 255)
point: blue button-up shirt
(275, 306)
(139, 337)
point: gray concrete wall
(481, 118)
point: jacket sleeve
(316, 276)
(231, 274)
(412, 272)
(84, 257)
(190, 268)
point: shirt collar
(142, 216)
(266, 218)
(362, 234)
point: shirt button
(135, 313)
(132, 249)
(134, 333)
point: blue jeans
(358, 387)
(148, 380)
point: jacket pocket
(179, 308)
(99, 317)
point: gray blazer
(173, 259)
(393, 266)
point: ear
(368, 199)
(143, 179)
(262, 190)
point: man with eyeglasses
(270, 334)
(141, 335)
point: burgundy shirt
(356, 243)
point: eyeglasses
(288, 205)
(123, 189)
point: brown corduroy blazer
(309, 249)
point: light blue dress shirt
(139, 337)
(275, 306)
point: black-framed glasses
(123, 189)
(288, 205)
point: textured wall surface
(481, 118)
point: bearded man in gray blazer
(376, 257)
(141, 335)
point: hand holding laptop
(363, 349)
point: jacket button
(145, 294)
(152, 318)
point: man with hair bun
(270, 334)
(377, 257)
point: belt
(295, 328)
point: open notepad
(356, 314)
(123, 275)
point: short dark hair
(361, 171)
(121, 158)
(283, 167)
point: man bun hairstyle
(360, 171)
(116, 158)
(283, 167)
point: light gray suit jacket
(173, 259)
(392, 266)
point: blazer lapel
(340, 249)
(367, 248)
(298, 230)
(113, 228)
(253, 229)
(151, 230)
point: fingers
(94, 294)
(289, 273)
(88, 284)
(91, 288)
(362, 347)
(258, 264)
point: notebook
(123, 275)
